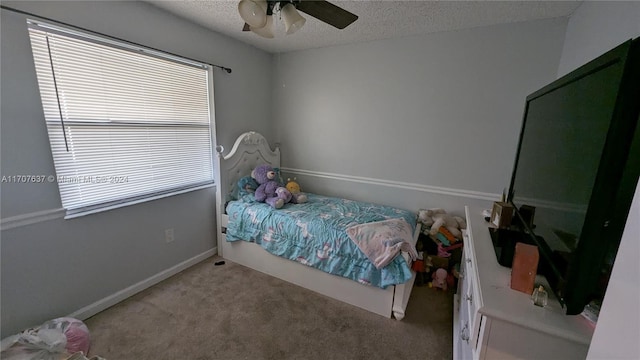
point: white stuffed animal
(435, 218)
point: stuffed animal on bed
(266, 191)
(246, 185)
(297, 196)
(278, 177)
(284, 194)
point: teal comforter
(314, 234)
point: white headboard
(250, 149)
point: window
(126, 124)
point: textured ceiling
(377, 19)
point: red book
(524, 268)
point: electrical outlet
(168, 235)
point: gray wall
(593, 29)
(438, 115)
(596, 27)
(55, 267)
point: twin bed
(318, 245)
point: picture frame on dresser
(501, 214)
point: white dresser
(492, 321)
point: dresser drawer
(462, 326)
(471, 298)
(465, 349)
(468, 297)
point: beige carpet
(232, 312)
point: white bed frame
(252, 149)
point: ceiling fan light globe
(293, 21)
(266, 31)
(253, 13)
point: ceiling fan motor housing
(256, 12)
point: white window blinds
(125, 124)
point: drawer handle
(469, 298)
(469, 261)
(463, 333)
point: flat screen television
(577, 164)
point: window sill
(81, 213)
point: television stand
(493, 321)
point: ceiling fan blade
(246, 27)
(327, 12)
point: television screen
(573, 166)
(561, 145)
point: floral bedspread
(314, 234)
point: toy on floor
(266, 191)
(439, 279)
(442, 252)
(422, 265)
(436, 218)
(445, 236)
(451, 280)
(297, 196)
(55, 339)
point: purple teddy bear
(269, 191)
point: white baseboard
(92, 309)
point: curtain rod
(228, 70)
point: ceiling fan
(258, 14)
